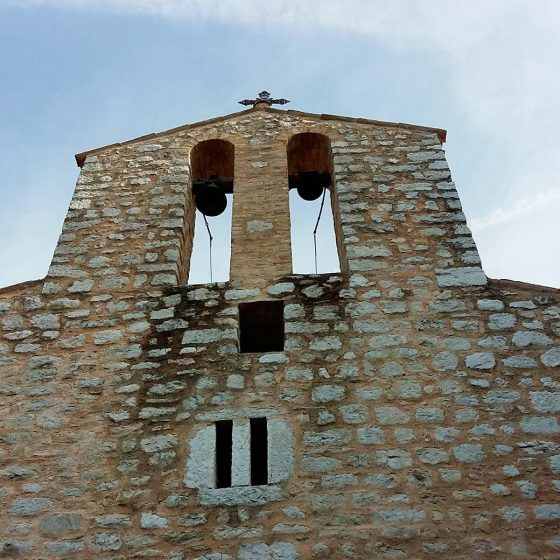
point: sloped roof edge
(20, 286)
(81, 157)
(520, 285)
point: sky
(78, 74)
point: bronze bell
(310, 184)
(209, 198)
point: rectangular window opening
(259, 452)
(224, 439)
(261, 326)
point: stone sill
(240, 495)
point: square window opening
(261, 326)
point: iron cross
(264, 97)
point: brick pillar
(261, 249)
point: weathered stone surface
(153, 521)
(62, 548)
(445, 361)
(501, 321)
(530, 338)
(328, 393)
(327, 437)
(60, 523)
(274, 551)
(490, 304)
(429, 414)
(520, 362)
(281, 288)
(158, 443)
(394, 458)
(469, 453)
(104, 542)
(242, 496)
(540, 425)
(547, 511)
(371, 435)
(551, 358)
(480, 360)
(465, 276)
(107, 337)
(30, 506)
(545, 401)
(391, 415)
(207, 336)
(326, 343)
(399, 516)
(433, 455)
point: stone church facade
(406, 407)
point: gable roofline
(519, 284)
(442, 133)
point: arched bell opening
(315, 239)
(212, 170)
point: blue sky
(84, 73)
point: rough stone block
(469, 453)
(60, 523)
(461, 277)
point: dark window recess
(259, 452)
(224, 439)
(261, 326)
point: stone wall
(422, 400)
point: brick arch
(309, 150)
(214, 156)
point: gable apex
(81, 157)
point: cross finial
(264, 97)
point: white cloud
(417, 23)
(528, 240)
(516, 211)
